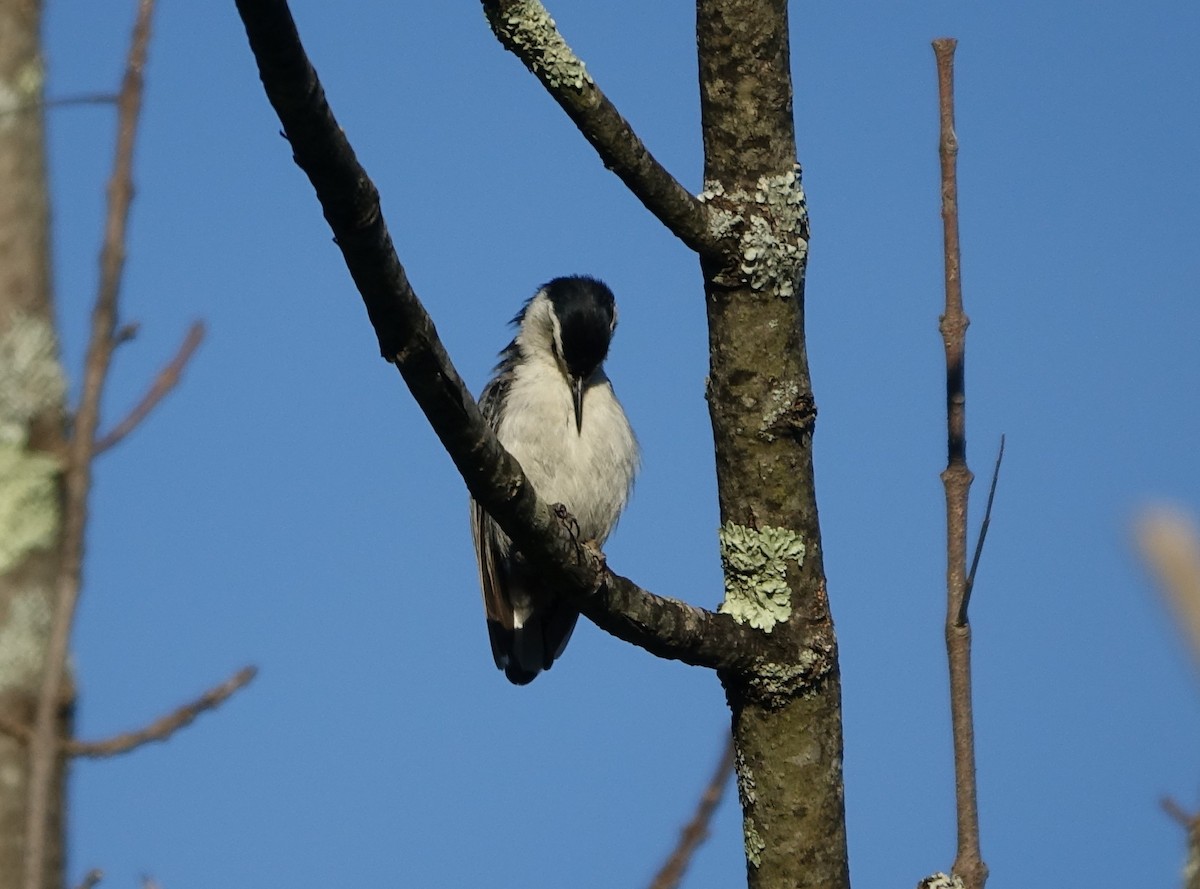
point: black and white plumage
(553, 409)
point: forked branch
(526, 29)
(408, 339)
(167, 379)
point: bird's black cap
(586, 312)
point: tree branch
(164, 727)
(408, 339)
(968, 862)
(695, 832)
(526, 29)
(167, 379)
(77, 475)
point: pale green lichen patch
(755, 845)
(755, 566)
(22, 638)
(31, 379)
(772, 227)
(530, 29)
(28, 503)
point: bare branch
(526, 29)
(167, 379)
(159, 730)
(1191, 824)
(695, 832)
(408, 339)
(77, 475)
(968, 862)
(983, 529)
(63, 102)
(162, 729)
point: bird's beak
(577, 396)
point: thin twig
(1177, 813)
(968, 861)
(77, 474)
(64, 102)
(983, 529)
(162, 728)
(526, 29)
(167, 379)
(159, 730)
(695, 832)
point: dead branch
(164, 727)
(159, 730)
(968, 862)
(695, 832)
(167, 379)
(77, 473)
(526, 29)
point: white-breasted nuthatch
(553, 408)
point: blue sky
(288, 506)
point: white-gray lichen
(21, 90)
(755, 566)
(29, 512)
(529, 28)
(22, 638)
(772, 228)
(780, 400)
(31, 379)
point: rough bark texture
(786, 716)
(31, 431)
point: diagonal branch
(968, 862)
(408, 339)
(78, 472)
(526, 29)
(167, 379)
(162, 728)
(695, 832)
(159, 730)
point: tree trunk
(32, 391)
(787, 713)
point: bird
(553, 408)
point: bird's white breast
(590, 471)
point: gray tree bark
(32, 391)
(787, 710)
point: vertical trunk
(31, 429)
(787, 714)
